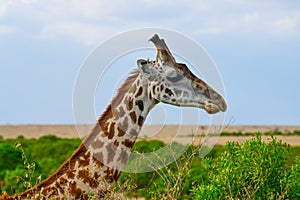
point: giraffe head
(173, 83)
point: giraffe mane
(93, 133)
(119, 96)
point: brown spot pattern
(96, 175)
(140, 91)
(83, 162)
(98, 158)
(110, 132)
(117, 174)
(123, 157)
(161, 87)
(63, 181)
(58, 186)
(75, 191)
(140, 104)
(120, 113)
(120, 132)
(86, 178)
(97, 144)
(116, 143)
(133, 132)
(109, 175)
(132, 88)
(110, 152)
(112, 127)
(133, 117)
(129, 103)
(71, 174)
(46, 191)
(140, 121)
(128, 143)
(105, 127)
(153, 89)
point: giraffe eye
(175, 78)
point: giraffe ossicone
(97, 163)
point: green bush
(292, 181)
(173, 181)
(13, 184)
(10, 158)
(140, 181)
(254, 170)
(43, 157)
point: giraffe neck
(119, 132)
(96, 165)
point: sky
(255, 46)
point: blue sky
(255, 45)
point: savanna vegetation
(253, 170)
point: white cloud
(92, 21)
(251, 17)
(88, 34)
(3, 7)
(265, 20)
(288, 25)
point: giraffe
(97, 163)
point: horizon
(203, 125)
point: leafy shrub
(254, 170)
(145, 146)
(174, 181)
(17, 169)
(14, 181)
(141, 180)
(9, 158)
(296, 132)
(292, 181)
(12, 184)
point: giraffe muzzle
(212, 108)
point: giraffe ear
(144, 68)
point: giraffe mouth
(212, 108)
